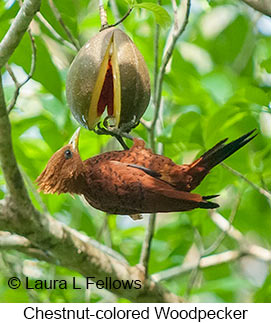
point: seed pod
(109, 71)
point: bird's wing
(127, 189)
(155, 165)
(148, 171)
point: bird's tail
(221, 151)
(205, 204)
(201, 167)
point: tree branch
(8, 163)
(263, 6)
(15, 242)
(79, 254)
(19, 26)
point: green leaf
(250, 94)
(46, 72)
(263, 295)
(161, 15)
(10, 12)
(6, 16)
(69, 13)
(266, 64)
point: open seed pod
(108, 72)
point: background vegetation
(217, 84)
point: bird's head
(64, 171)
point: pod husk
(134, 79)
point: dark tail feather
(207, 204)
(221, 151)
(209, 197)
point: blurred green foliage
(218, 85)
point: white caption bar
(97, 312)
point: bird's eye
(68, 154)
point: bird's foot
(128, 126)
(107, 129)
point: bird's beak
(75, 139)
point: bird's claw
(128, 126)
(106, 129)
(114, 132)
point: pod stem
(103, 15)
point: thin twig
(206, 252)
(224, 225)
(29, 76)
(54, 33)
(193, 277)
(205, 262)
(223, 234)
(12, 75)
(158, 80)
(156, 63)
(262, 191)
(155, 81)
(64, 26)
(103, 15)
(146, 247)
(246, 248)
(175, 13)
(121, 20)
(178, 29)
